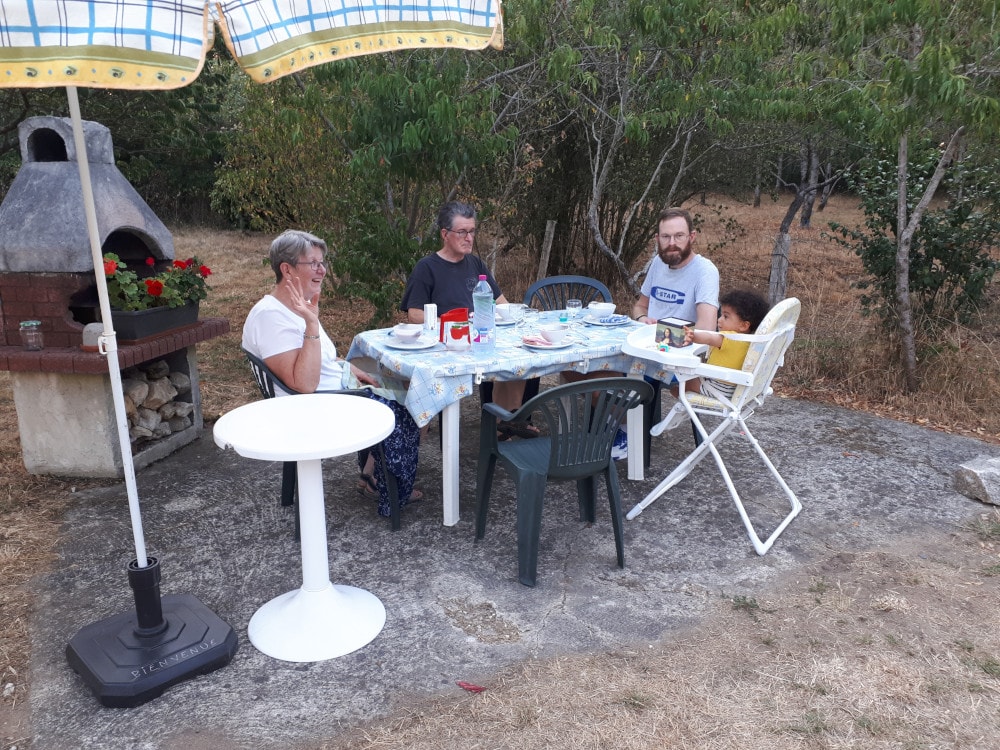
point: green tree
(920, 69)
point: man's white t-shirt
(271, 328)
(676, 293)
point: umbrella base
(124, 667)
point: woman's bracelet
(307, 336)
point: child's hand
(688, 335)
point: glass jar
(31, 335)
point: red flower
(154, 287)
(180, 264)
(205, 271)
(110, 267)
(150, 261)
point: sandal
(506, 430)
(367, 487)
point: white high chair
(753, 386)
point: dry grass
(860, 652)
(827, 664)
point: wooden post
(543, 262)
(493, 257)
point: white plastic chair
(753, 386)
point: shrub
(950, 262)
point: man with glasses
(681, 284)
(446, 278)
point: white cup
(431, 317)
(510, 311)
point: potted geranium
(145, 305)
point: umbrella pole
(107, 343)
(132, 657)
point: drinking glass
(530, 320)
(573, 307)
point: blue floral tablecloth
(428, 380)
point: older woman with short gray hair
(283, 329)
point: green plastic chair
(552, 292)
(578, 423)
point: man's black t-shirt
(448, 285)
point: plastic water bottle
(483, 316)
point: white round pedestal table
(319, 620)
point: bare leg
(508, 394)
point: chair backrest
(582, 420)
(266, 380)
(765, 356)
(552, 293)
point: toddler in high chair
(740, 311)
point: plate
(608, 320)
(561, 345)
(420, 343)
(507, 322)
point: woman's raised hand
(307, 308)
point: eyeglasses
(315, 265)
(677, 238)
(462, 233)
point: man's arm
(707, 317)
(640, 310)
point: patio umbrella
(160, 44)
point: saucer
(421, 343)
(607, 320)
(540, 346)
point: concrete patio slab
(455, 610)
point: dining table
(430, 379)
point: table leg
(636, 457)
(449, 462)
(319, 620)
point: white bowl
(554, 333)
(601, 309)
(408, 333)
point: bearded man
(680, 282)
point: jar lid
(30, 323)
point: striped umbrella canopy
(162, 44)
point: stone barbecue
(65, 409)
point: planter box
(136, 325)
